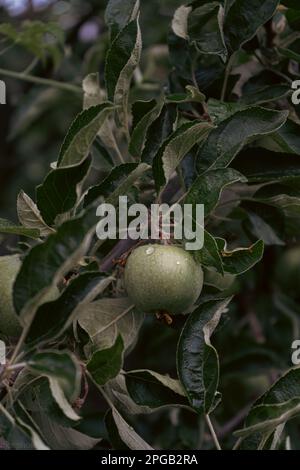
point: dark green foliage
(191, 104)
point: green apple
(163, 278)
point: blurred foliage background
(36, 118)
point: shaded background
(36, 118)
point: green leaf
(290, 208)
(61, 366)
(285, 140)
(139, 133)
(106, 364)
(57, 255)
(192, 95)
(106, 318)
(60, 437)
(82, 133)
(120, 12)
(260, 165)
(266, 418)
(30, 216)
(47, 395)
(175, 148)
(205, 29)
(242, 19)
(237, 261)
(59, 191)
(140, 108)
(53, 318)
(158, 131)
(117, 183)
(61, 400)
(208, 187)
(16, 436)
(117, 391)
(278, 405)
(227, 140)
(197, 359)
(180, 21)
(106, 142)
(266, 94)
(122, 59)
(148, 388)
(127, 434)
(113, 433)
(25, 422)
(9, 227)
(240, 260)
(64, 375)
(181, 57)
(219, 110)
(265, 221)
(209, 255)
(20, 431)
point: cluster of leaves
(41, 39)
(222, 131)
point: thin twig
(226, 78)
(18, 366)
(31, 66)
(238, 443)
(6, 414)
(117, 149)
(41, 81)
(104, 394)
(121, 247)
(213, 433)
(19, 345)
